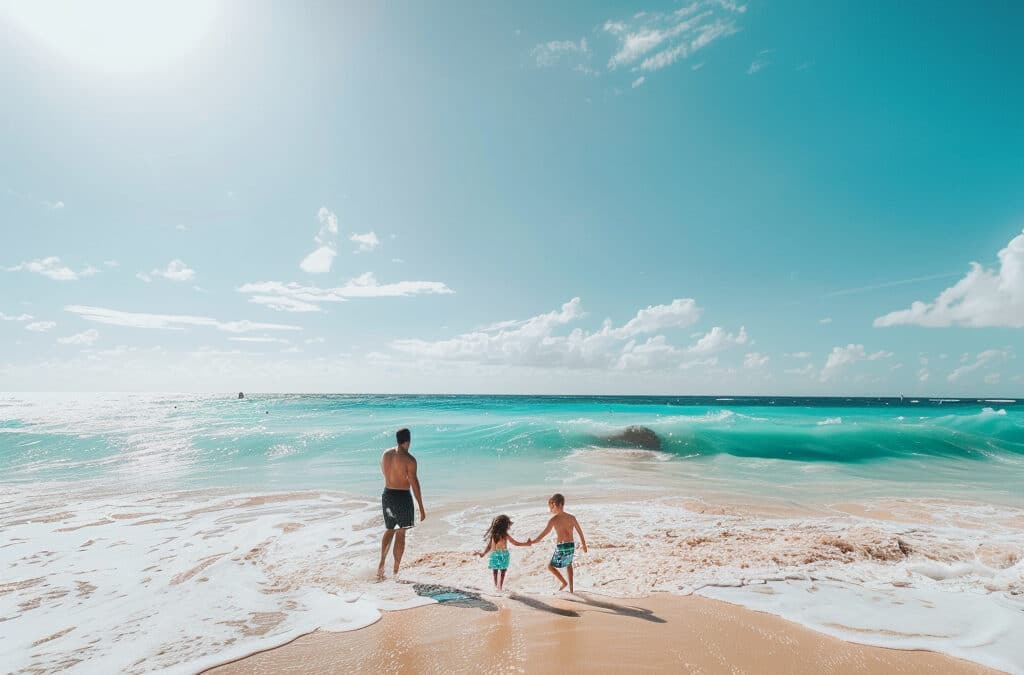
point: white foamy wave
(828, 421)
(196, 579)
(993, 411)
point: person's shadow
(623, 610)
(534, 603)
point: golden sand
(586, 633)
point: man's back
(395, 465)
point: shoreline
(531, 633)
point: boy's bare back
(563, 524)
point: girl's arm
(583, 540)
(519, 543)
(482, 554)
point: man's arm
(415, 482)
(583, 540)
(551, 523)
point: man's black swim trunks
(398, 510)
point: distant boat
(241, 395)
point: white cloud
(805, 371)
(315, 341)
(638, 81)
(982, 360)
(56, 206)
(755, 360)
(367, 242)
(168, 321)
(89, 271)
(827, 319)
(757, 65)
(144, 277)
(983, 298)
(322, 257)
(260, 339)
(180, 227)
(840, 357)
(50, 267)
(41, 326)
(111, 263)
(992, 378)
(397, 260)
(176, 270)
(540, 341)
(86, 337)
(551, 53)
(718, 339)
(923, 375)
(800, 355)
(294, 297)
(15, 317)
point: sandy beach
(585, 633)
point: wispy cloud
(295, 297)
(176, 270)
(825, 320)
(15, 317)
(982, 360)
(322, 257)
(551, 53)
(86, 337)
(52, 268)
(168, 321)
(41, 326)
(841, 357)
(718, 339)
(367, 242)
(887, 284)
(650, 41)
(260, 339)
(983, 298)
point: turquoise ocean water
(476, 444)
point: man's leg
(399, 548)
(385, 545)
(558, 575)
(569, 570)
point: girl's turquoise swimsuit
(563, 554)
(499, 559)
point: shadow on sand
(534, 603)
(455, 597)
(622, 610)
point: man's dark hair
(403, 436)
(557, 499)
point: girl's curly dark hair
(498, 529)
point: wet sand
(586, 633)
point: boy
(563, 524)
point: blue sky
(689, 197)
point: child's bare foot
(380, 573)
(562, 587)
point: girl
(498, 540)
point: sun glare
(115, 35)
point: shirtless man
(563, 524)
(399, 469)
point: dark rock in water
(241, 395)
(637, 437)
